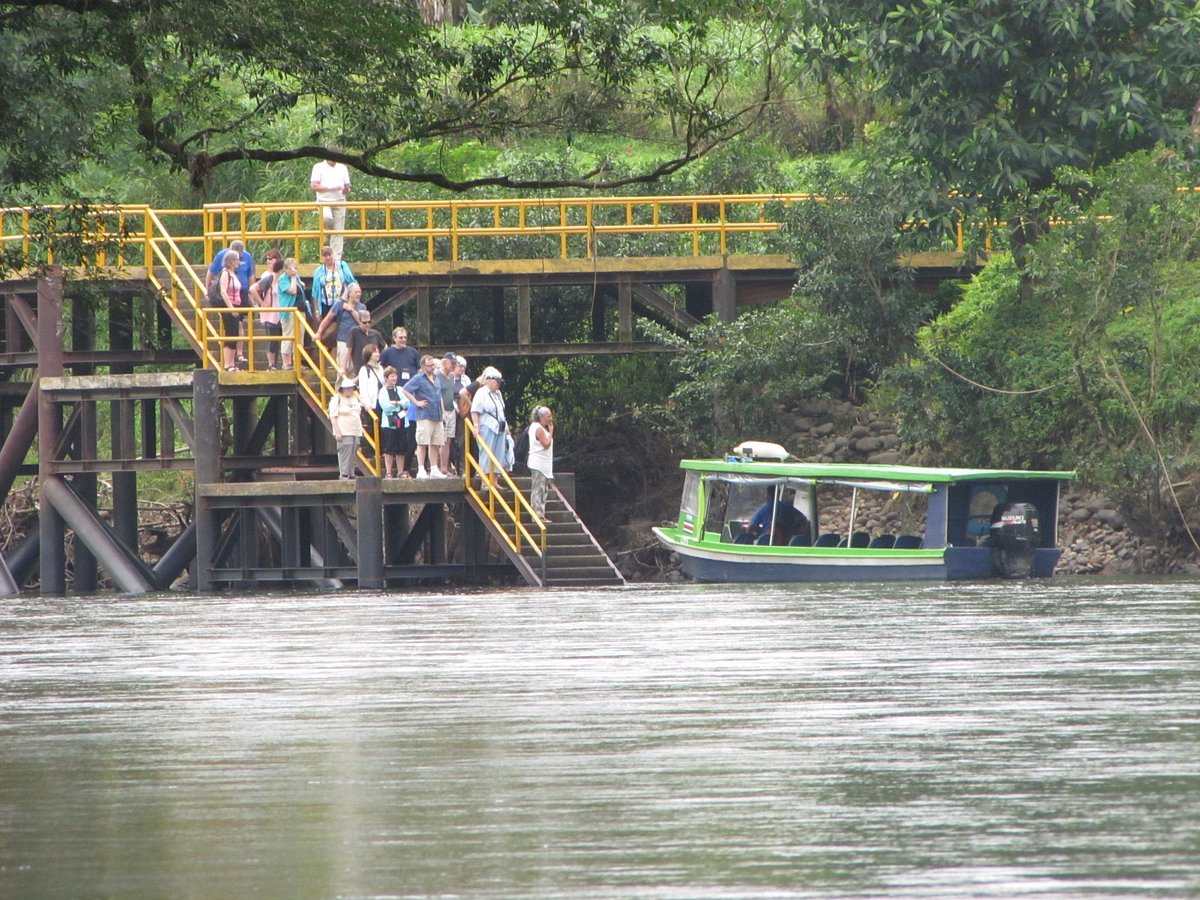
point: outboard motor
(1015, 536)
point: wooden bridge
(108, 327)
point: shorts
(272, 329)
(430, 433)
(449, 419)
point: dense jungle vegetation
(1068, 126)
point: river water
(820, 741)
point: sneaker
(421, 473)
(435, 472)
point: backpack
(521, 453)
(212, 296)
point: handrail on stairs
(206, 336)
(176, 290)
(494, 504)
(312, 360)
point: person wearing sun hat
(487, 414)
(345, 418)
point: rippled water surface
(1038, 739)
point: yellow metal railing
(312, 360)
(443, 231)
(451, 230)
(180, 287)
(505, 516)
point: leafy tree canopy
(205, 84)
(992, 96)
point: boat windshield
(689, 504)
(744, 501)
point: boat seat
(828, 539)
(763, 539)
(743, 538)
(860, 539)
(908, 542)
(883, 541)
(800, 540)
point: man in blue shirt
(404, 359)
(788, 520)
(426, 396)
(343, 317)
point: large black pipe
(368, 495)
(8, 584)
(177, 558)
(18, 442)
(23, 561)
(129, 576)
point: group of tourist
(421, 401)
(231, 283)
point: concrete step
(583, 582)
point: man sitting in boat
(789, 521)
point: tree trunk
(1023, 232)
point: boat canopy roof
(871, 484)
(858, 474)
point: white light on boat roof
(761, 450)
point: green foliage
(848, 253)
(1100, 370)
(76, 234)
(990, 381)
(737, 375)
(201, 86)
(992, 98)
(854, 311)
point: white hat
(348, 383)
(490, 372)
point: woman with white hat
(487, 414)
(345, 417)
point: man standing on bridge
(424, 394)
(331, 181)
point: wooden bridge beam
(724, 295)
(625, 312)
(51, 527)
(207, 448)
(524, 323)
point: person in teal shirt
(290, 296)
(330, 281)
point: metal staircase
(573, 557)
